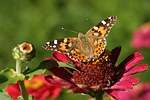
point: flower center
(26, 47)
(98, 72)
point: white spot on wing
(109, 17)
(55, 41)
(48, 43)
(54, 46)
(108, 24)
(103, 22)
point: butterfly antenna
(69, 30)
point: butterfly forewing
(103, 28)
(62, 45)
(69, 46)
(98, 34)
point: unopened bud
(24, 52)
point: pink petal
(128, 78)
(130, 61)
(137, 69)
(122, 87)
(125, 83)
(124, 95)
(60, 56)
(141, 37)
(113, 94)
(136, 60)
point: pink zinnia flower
(139, 92)
(97, 76)
(141, 37)
(36, 87)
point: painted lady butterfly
(84, 47)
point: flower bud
(24, 52)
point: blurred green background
(38, 21)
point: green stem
(18, 66)
(99, 96)
(21, 83)
(23, 90)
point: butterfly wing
(77, 53)
(62, 45)
(70, 46)
(102, 29)
(98, 33)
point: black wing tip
(114, 18)
(46, 46)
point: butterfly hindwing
(78, 54)
(98, 46)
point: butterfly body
(86, 46)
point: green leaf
(9, 76)
(68, 65)
(37, 72)
(4, 96)
(7, 72)
(46, 64)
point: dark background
(38, 21)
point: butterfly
(86, 47)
